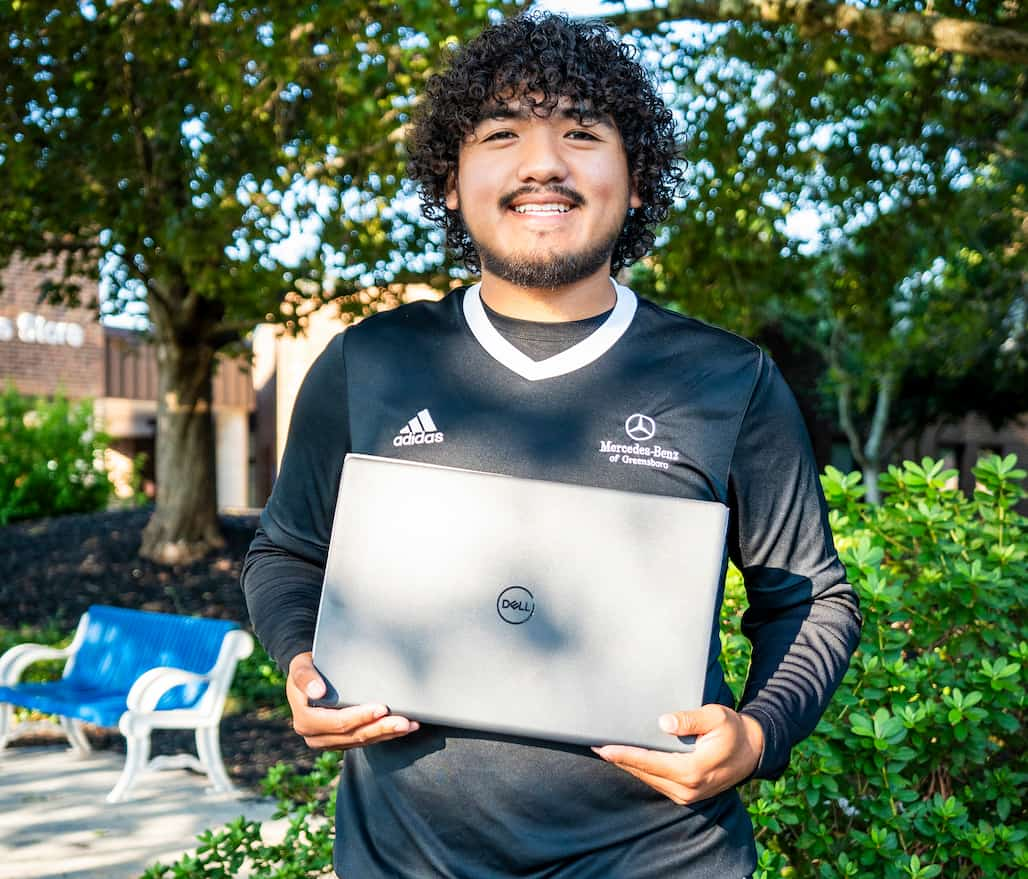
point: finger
(380, 731)
(656, 762)
(308, 721)
(305, 677)
(354, 717)
(693, 723)
(673, 790)
(347, 743)
(690, 789)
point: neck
(586, 298)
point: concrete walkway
(54, 821)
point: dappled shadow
(54, 821)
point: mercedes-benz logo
(640, 427)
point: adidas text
(417, 439)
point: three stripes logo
(419, 431)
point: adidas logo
(420, 430)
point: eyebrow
(500, 112)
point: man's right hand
(336, 728)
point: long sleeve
(803, 617)
(284, 568)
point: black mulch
(51, 570)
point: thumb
(691, 723)
(305, 676)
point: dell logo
(515, 605)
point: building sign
(34, 328)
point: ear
(452, 201)
(633, 195)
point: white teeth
(542, 209)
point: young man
(547, 155)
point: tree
(882, 28)
(915, 160)
(178, 144)
(983, 283)
(945, 335)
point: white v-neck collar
(589, 350)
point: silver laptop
(518, 606)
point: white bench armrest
(146, 692)
(14, 661)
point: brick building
(45, 349)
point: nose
(541, 157)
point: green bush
(51, 458)
(259, 685)
(305, 850)
(918, 768)
(51, 636)
(47, 670)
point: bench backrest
(120, 644)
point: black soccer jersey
(647, 401)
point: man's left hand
(728, 746)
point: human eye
(503, 134)
(581, 134)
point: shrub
(51, 636)
(918, 768)
(305, 850)
(51, 458)
(259, 685)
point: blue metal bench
(138, 671)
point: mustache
(555, 188)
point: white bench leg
(73, 730)
(135, 761)
(208, 748)
(6, 721)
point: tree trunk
(869, 454)
(871, 471)
(873, 454)
(184, 525)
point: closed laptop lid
(518, 606)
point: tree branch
(227, 331)
(844, 400)
(157, 298)
(880, 419)
(881, 28)
(144, 149)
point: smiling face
(543, 195)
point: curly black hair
(542, 59)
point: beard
(542, 270)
